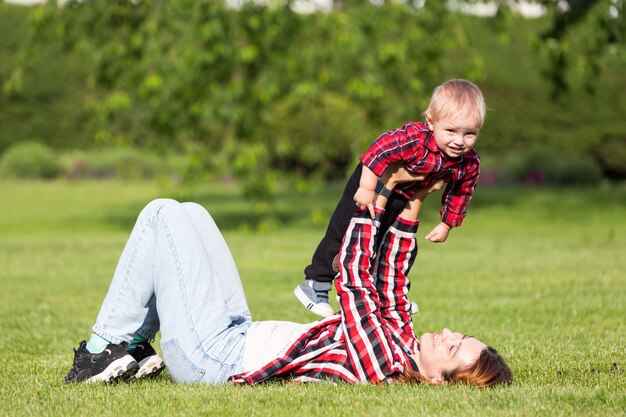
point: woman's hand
(413, 207)
(423, 193)
(396, 174)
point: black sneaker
(112, 365)
(150, 363)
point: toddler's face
(454, 135)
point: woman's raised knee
(159, 205)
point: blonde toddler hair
(457, 97)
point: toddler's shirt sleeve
(404, 144)
(457, 195)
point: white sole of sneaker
(149, 367)
(319, 309)
(118, 370)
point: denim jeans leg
(151, 323)
(130, 297)
(177, 254)
(222, 262)
(195, 270)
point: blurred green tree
(583, 37)
(258, 89)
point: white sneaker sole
(149, 367)
(323, 310)
(118, 370)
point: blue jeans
(177, 275)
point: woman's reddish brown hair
(489, 370)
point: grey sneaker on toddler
(150, 363)
(314, 296)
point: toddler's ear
(429, 121)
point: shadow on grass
(232, 211)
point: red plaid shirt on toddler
(414, 145)
(372, 338)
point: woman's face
(446, 351)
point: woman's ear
(435, 380)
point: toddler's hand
(439, 234)
(364, 198)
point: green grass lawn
(540, 274)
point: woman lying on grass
(176, 275)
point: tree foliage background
(202, 75)
(257, 90)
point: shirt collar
(413, 364)
(430, 142)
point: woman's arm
(372, 354)
(396, 254)
(372, 351)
